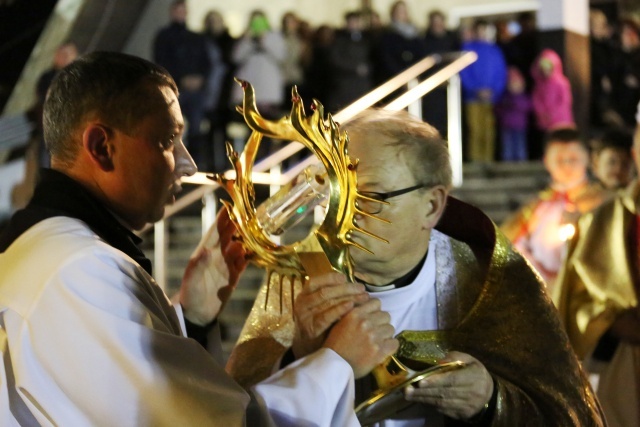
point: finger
(226, 235)
(386, 348)
(380, 318)
(225, 226)
(324, 297)
(232, 248)
(370, 306)
(338, 290)
(435, 397)
(225, 293)
(441, 380)
(454, 356)
(386, 331)
(240, 262)
(469, 376)
(324, 320)
(390, 346)
(223, 218)
(235, 258)
(307, 307)
(432, 393)
(329, 279)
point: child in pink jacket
(551, 95)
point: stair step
(508, 183)
(471, 170)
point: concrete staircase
(500, 188)
(496, 188)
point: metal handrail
(206, 187)
(373, 97)
(463, 61)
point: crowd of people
(334, 65)
(513, 94)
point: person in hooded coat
(551, 95)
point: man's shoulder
(51, 244)
(58, 232)
(54, 240)
(458, 254)
(57, 251)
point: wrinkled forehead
(376, 154)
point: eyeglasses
(374, 201)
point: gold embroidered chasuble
(600, 277)
(490, 305)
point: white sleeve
(317, 390)
(98, 347)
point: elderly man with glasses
(455, 291)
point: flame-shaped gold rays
(330, 146)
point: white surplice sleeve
(87, 338)
(93, 341)
(317, 390)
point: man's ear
(98, 145)
(437, 200)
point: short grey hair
(426, 152)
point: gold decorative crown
(329, 145)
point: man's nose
(185, 166)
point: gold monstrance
(329, 145)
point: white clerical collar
(427, 275)
(372, 288)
